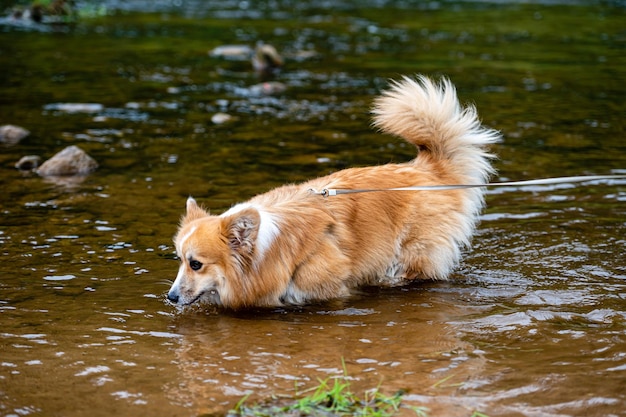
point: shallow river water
(533, 322)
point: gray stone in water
(28, 162)
(11, 134)
(70, 161)
(234, 52)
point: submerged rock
(70, 161)
(28, 163)
(75, 107)
(11, 134)
(269, 88)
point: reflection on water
(533, 323)
(273, 352)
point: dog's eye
(195, 265)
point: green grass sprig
(331, 398)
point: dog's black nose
(173, 297)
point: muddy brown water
(533, 322)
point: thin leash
(329, 192)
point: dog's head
(215, 252)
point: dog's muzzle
(211, 296)
(173, 296)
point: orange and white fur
(291, 246)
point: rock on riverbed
(11, 134)
(28, 163)
(70, 161)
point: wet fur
(289, 246)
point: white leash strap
(328, 192)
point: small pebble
(235, 52)
(219, 118)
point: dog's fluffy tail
(429, 115)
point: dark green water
(532, 324)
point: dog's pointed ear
(241, 230)
(194, 211)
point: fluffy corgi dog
(292, 246)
